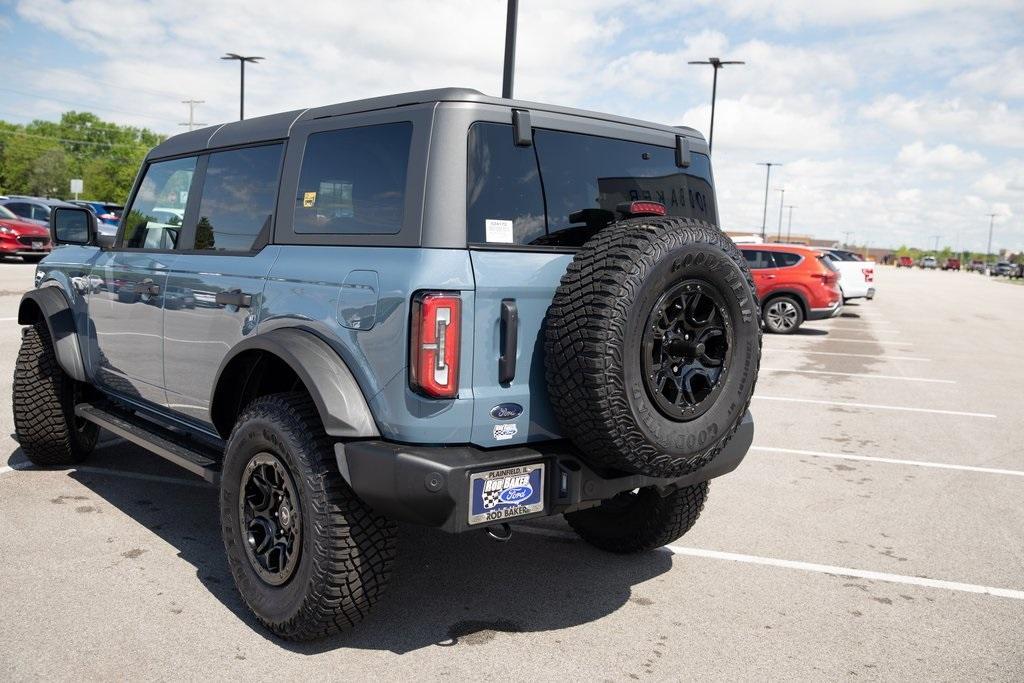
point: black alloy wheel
(270, 519)
(686, 348)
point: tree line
(40, 158)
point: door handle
(234, 297)
(509, 341)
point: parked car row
(38, 209)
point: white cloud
(947, 156)
(965, 121)
(1003, 77)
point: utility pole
(846, 236)
(716, 64)
(782, 198)
(991, 222)
(768, 175)
(508, 75)
(192, 123)
(936, 238)
(241, 93)
(789, 228)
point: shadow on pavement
(446, 590)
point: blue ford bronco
(439, 308)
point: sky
(895, 121)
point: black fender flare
(51, 305)
(339, 400)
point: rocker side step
(154, 438)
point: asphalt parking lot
(875, 531)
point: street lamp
(991, 221)
(782, 199)
(508, 73)
(764, 217)
(241, 61)
(716, 64)
(789, 228)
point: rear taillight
(642, 208)
(434, 344)
(869, 274)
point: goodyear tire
(44, 398)
(652, 346)
(308, 557)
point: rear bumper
(828, 312)
(430, 485)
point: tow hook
(500, 533)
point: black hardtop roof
(277, 126)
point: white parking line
(856, 341)
(890, 461)
(874, 406)
(812, 567)
(855, 355)
(866, 375)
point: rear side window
(784, 259)
(158, 209)
(758, 259)
(504, 200)
(238, 196)
(566, 186)
(353, 181)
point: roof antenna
(510, 49)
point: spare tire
(652, 346)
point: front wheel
(308, 557)
(44, 400)
(636, 521)
(783, 315)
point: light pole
(782, 199)
(846, 236)
(716, 64)
(988, 250)
(789, 228)
(511, 19)
(241, 61)
(768, 175)
(936, 238)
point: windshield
(6, 213)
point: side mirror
(72, 226)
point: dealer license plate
(500, 495)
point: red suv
(794, 284)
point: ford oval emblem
(506, 411)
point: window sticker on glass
(498, 230)
(309, 200)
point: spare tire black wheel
(652, 346)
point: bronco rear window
(528, 195)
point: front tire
(783, 315)
(642, 520)
(308, 557)
(44, 398)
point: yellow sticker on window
(308, 200)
